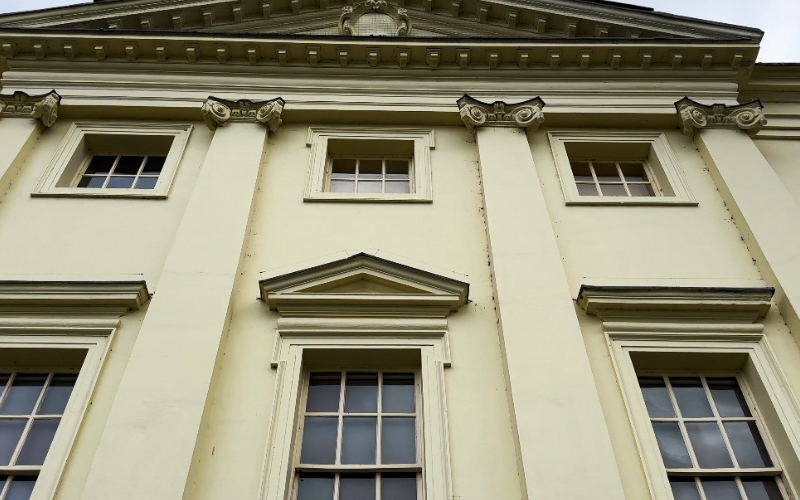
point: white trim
(71, 156)
(662, 163)
(318, 138)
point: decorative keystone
(527, 114)
(694, 116)
(39, 107)
(218, 112)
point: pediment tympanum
(530, 19)
(363, 285)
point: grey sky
(776, 17)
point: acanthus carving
(39, 107)
(527, 114)
(694, 116)
(348, 21)
(217, 112)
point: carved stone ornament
(748, 117)
(218, 112)
(374, 18)
(39, 107)
(527, 114)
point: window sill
(633, 201)
(99, 193)
(367, 198)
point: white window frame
(696, 325)
(72, 157)
(317, 140)
(661, 165)
(87, 319)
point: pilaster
(19, 136)
(147, 448)
(549, 377)
(764, 211)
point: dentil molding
(527, 114)
(695, 116)
(217, 112)
(39, 107)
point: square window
(359, 164)
(604, 168)
(115, 160)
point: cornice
(527, 114)
(669, 304)
(695, 116)
(39, 107)
(217, 112)
(251, 49)
(117, 295)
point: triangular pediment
(363, 285)
(527, 19)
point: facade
(396, 250)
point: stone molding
(526, 114)
(217, 112)
(695, 116)
(39, 107)
(351, 14)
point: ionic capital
(39, 107)
(527, 114)
(695, 116)
(218, 112)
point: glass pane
(587, 190)
(315, 486)
(720, 489)
(641, 190)
(359, 440)
(22, 396)
(319, 440)
(361, 393)
(670, 442)
(10, 432)
(613, 190)
(100, 164)
(397, 169)
(57, 395)
(634, 172)
(691, 397)
(761, 489)
(120, 182)
(369, 186)
(398, 392)
(154, 164)
(129, 165)
(91, 182)
(323, 392)
(747, 445)
(581, 172)
(684, 488)
(399, 486)
(656, 397)
(342, 186)
(38, 442)
(370, 169)
(146, 183)
(728, 397)
(398, 442)
(343, 166)
(708, 446)
(357, 487)
(606, 171)
(397, 187)
(21, 488)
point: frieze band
(527, 114)
(217, 112)
(39, 107)
(695, 116)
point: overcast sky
(776, 17)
